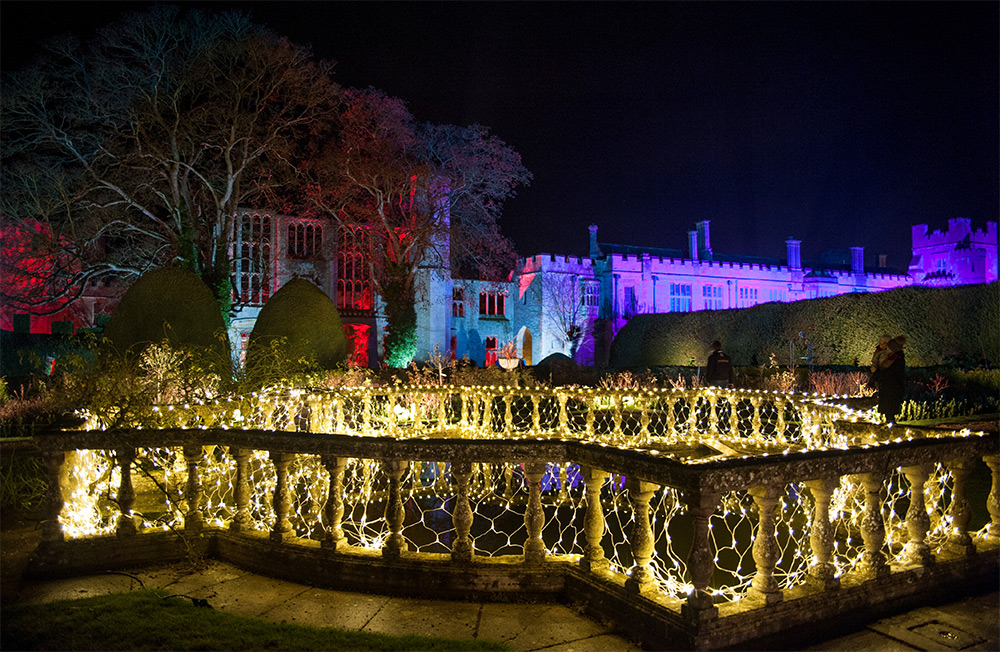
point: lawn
(154, 620)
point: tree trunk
(401, 315)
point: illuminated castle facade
(554, 303)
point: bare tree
(136, 150)
(428, 195)
(564, 310)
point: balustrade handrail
(637, 418)
(889, 500)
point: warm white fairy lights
(691, 426)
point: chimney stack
(704, 241)
(693, 244)
(858, 260)
(595, 251)
(793, 247)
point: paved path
(968, 624)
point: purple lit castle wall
(957, 256)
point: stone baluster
(444, 398)
(366, 412)
(241, 490)
(395, 544)
(281, 501)
(960, 512)
(536, 417)
(415, 414)
(534, 514)
(692, 422)
(644, 417)
(779, 406)
(671, 417)
(616, 417)
(641, 539)
(873, 562)
(508, 415)
(52, 533)
(734, 416)
(713, 415)
(563, 481)
(918, 523)
(463, 414)
(821, 536)
(126, 493)
(765, 545)
(333, 511)
(593, 524)
(563, 415)
(462, 549)
(755, 419)
(339, 426)
(590, 418)
(993, 500)
(193, 519)
(701, 560)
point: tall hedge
(959, 325)
(305, 325)
(172, 304)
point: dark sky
(839, 124)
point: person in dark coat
(720, 368)
(878, 356)
(892, 380)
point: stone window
(491, 304)
(305, 240)
(253, 259)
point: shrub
(173, 305)
(944, 326)
(297, 331)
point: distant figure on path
(892, 380)
(720, 368)
(878, 356)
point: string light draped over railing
(619, 493)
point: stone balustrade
(710, 517)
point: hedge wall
(954, 326)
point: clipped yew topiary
(954, 326)
(299, 326)
(169, 304)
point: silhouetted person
(892, 380)
(879, 355)
(720, 368)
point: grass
(153, 620)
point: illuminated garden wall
(955, 325)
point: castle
(552, 303)
(574, 305)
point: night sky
(838, 124)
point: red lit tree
(137, 149)
(430, 195)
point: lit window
(491, 351)
(458, 302)
(712, 296)
(680, 297)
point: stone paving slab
(324, 608)
(968, 624)
(446, 619)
